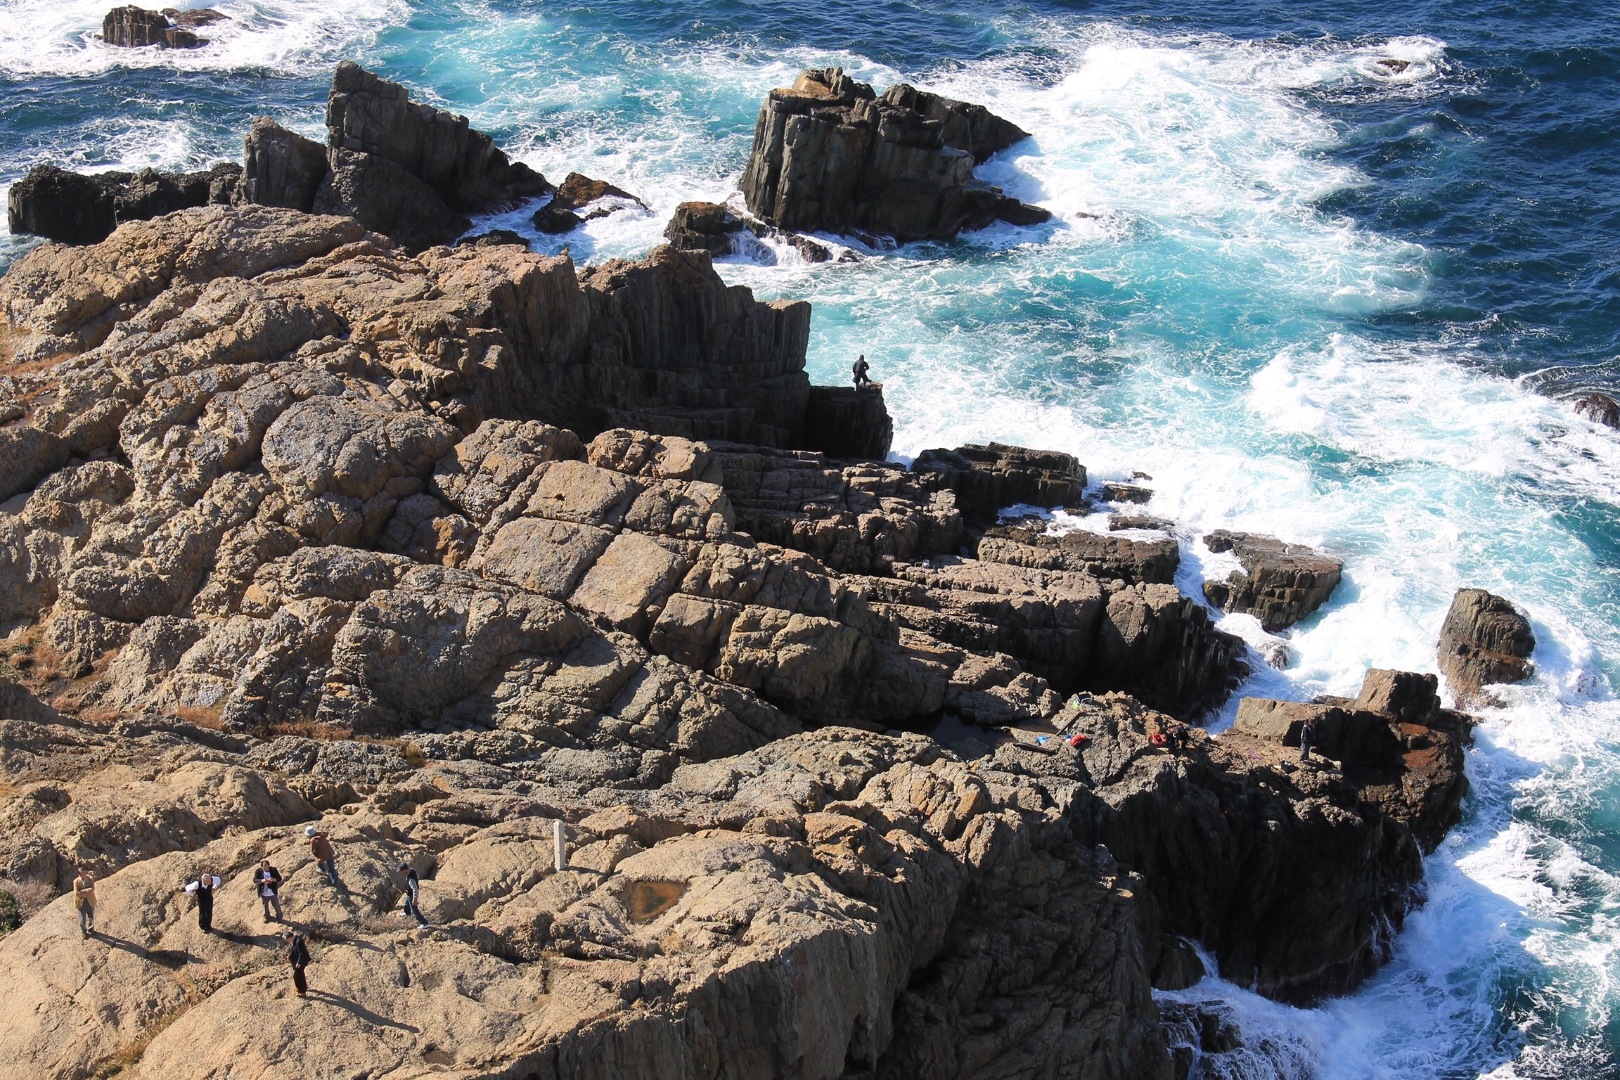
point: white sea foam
(62, 37)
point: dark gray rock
(79, 208)
(1279, 583)
(843, 422)
(830, 155)
(552, 218)
(389, 200)
(281, 167)
(1600, 409)
(1484, 640)
(988, 479)
(368, 114)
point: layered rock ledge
(440, 549)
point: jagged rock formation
(135, 27)
(576, 193)
(1279, 583)
(78, 208)
(830, 155)
(704, 226)
(430, 548)
(1484, 640)
(402, 169)
(280, 167)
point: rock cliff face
(830, 155)
(441, 549)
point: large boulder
(830, 155)
(1278, 583)
(1484, 640)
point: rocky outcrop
(829, 155)
(577, 193)
(703, 226)
(1278, 583)
(1484, 640)
(1284, 876)
(135, 27)
(1108, 558)
(1393, 741)
(79, 208)
(316, 529)
(989, 479)
(369, 115)
(280, 167)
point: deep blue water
(1329, 271)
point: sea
(1330, 271)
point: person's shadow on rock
(361, 1011)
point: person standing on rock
(1307, 738)
(267, 883)
(413, 893)
(860, 369)
(84, 900)
(320, 846)
(297, 959)
(203, 890)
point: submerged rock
(1600, 409)
(830, 155)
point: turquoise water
(1309, 294)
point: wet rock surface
(1484, 640)
(1278, 583)
(437, 550)
(831, 155)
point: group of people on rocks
(266, 881)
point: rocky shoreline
(438, 546)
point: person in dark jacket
(860, 369)
(413, 893)
(1307, 738)
(267, 884)
(202, 890)
(297, 959)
